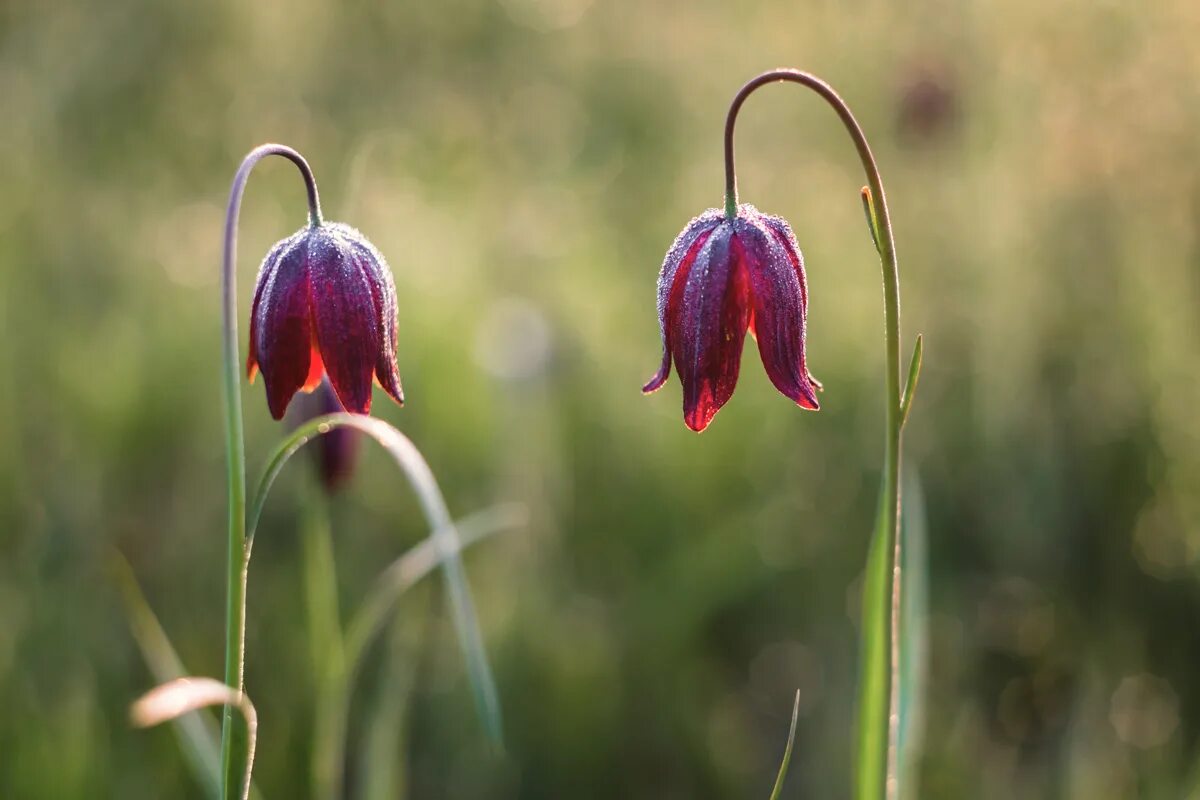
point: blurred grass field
(524, 164)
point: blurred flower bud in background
(927, 105)
(334, 452)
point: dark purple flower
(324, 303)
(721, 278)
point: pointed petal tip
(806, 397)
(698, 415)
(656, 383)
(660, 377)
(353, 398)
(276, 406)
(389, 380)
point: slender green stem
(235, 599)
(885, 244)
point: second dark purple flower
(721, 278)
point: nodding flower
(324, 304)
(727, 274)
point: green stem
(891, 305)
(235, 599)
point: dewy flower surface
(721, 278)
(324, 303)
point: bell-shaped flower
(324, 304)
(721, 278)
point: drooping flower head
(324, 304)
(722, 277)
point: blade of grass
(333, 702)
(787, 751)
(874, 667)
(418, 562)
(872, 222)
(443, 535)
(175, 699)
(382, 767)
(198, 735)
(914, 634)
(320, 587)
(914, 373)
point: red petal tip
(807, 398)
(656, 383)
(698, 421)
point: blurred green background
(524, 165)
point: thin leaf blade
(787, 750)
(914, 634)
(870, 762)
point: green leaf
(787, 751)
(914, 633)
(870, 763)
(198, 734)
(910, 388)
(872, 222)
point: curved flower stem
(235, 599)
(876, 202)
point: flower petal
(374, 268)
(708, 327)
(268, 266)
(782, 231)
(780, 303)
(281, 333)
(673, 277)
(344, 317)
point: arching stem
(235, 598)
(876, 202)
